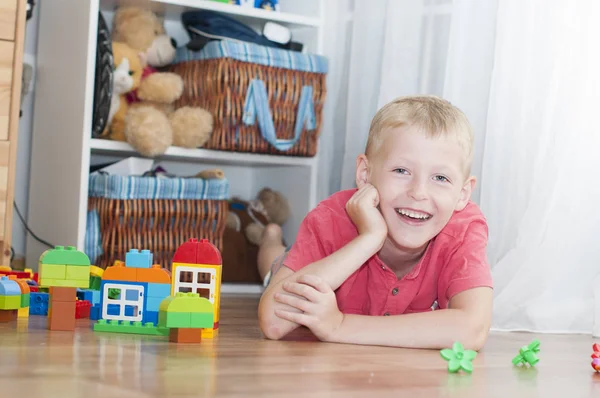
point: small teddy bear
(152, 123)
(270, 206)
(126, 77)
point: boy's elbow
(268, 324)
(476, 335)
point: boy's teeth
(413, 214)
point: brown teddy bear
(246, 221)
(152, 124)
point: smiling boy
(399, 261)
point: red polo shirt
(453, 262)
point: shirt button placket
(395, 291)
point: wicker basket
(263, 100)
(156, 214)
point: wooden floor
(239, 363)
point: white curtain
(540, 163)
(525, 73)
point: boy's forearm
(434, 330)
(333, 269)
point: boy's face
(421, 181)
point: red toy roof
(197, 251)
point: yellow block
(214, 270)
(209, 333)
(23, 312)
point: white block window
(196, 280)
(122, 302)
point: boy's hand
(316, 300)
(362, 209)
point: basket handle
(257, 106)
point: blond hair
(431, 115)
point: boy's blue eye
(402, 171)
(441, 179)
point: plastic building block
(9, 287)
(23, 312)
(96, 271)
(186, 310)
(119, 272)
(186, 302)
(458, 358)
(61, 315)
(67, 256)
(596, 357)
(151, 316)
(159, 290)
(130, 327)
(185, 335)
(67, 294)
(38, 303)
(8, 316)
(136, 259)
(174, 319)
(528, 354)
(78, 273)
(153, 303)
(53, 271)
(95, 282)
(154, 274)
(82, 309)
(10, 302)
(95, 312)
(196, 251)
(201, 320)
(25, 298)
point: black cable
(29, 230)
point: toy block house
(197, 268)
(133, 291)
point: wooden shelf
(176, 7)
(107, 147)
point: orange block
(156, 274)
(185, 335)
(118, 272)
(61, 315)
(63, 294)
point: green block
(78, 272)
(12, 303)
(25, 300)
(130, 327)
(186, 302)
(61, 255)
(65, 283)
(202, 321)
(95, 282)
(174, 319)
(53, 271)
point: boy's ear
(465, 193)
(362, 170)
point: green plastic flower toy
(528, 354)
(458, 358)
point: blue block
(161, 290)
(136, 259)
(95, 312)
(153, 303)
(84, 294)
(9, 288)
(151, 316)
(38, 303)
(95, 297)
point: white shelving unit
(62, 147)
